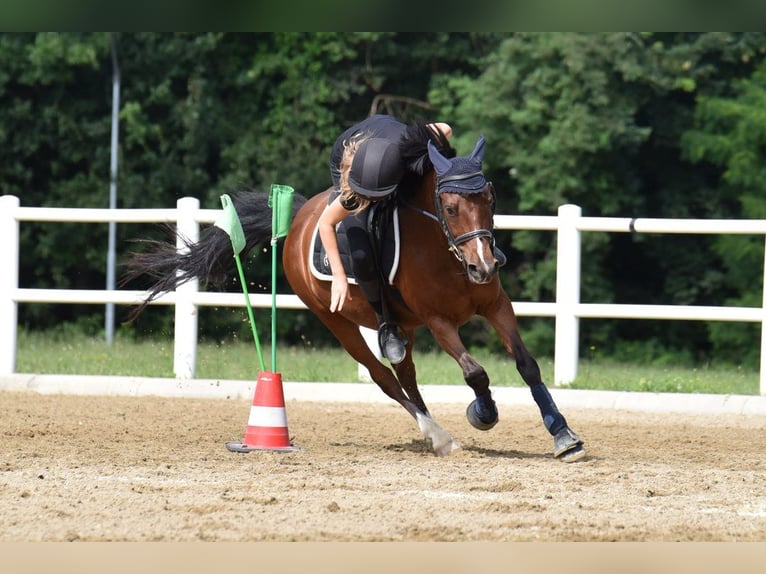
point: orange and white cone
(267, 423)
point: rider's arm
(331, 216)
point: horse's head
(465, 205)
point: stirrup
(391, 344)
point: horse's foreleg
(349, 336)
(482, 412)
(567, 446)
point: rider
(366, 166)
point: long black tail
(210, 259)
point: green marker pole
(274, 304)
(230, 223)
(281, 203)
(250, 312)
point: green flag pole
(230, 223)
(281, 203)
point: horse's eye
(450, 211)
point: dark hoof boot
(392, 347)
(567, 446)
(482, 419)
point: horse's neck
(423, 203)
(425, 198)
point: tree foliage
(598, 120)
(730, 132)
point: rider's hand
(339, 292)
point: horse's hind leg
(349, 336)
(405, 372)
(567, 445)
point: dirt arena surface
(87, 468)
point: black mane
(413, 147)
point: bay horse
(447, 273)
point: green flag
(229, 222)
(281, 204)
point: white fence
(567, 309)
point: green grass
(78, 354)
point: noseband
(453, 241)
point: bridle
(453, 241)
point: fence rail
(567, 309)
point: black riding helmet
(376, 168)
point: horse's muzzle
(483, 271)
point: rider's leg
(368, 278)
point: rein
(453, 241)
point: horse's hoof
(567, 446)
(439, 440)
(446, 448)
(472, 414)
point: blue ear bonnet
(461, 174)
(464, 176)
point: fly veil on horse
(447, 273)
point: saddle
(383, 228)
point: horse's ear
(441, 163)
(478, 151)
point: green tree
(730, 132)
(55, 152)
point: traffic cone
(267, 424)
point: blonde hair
(346, 193)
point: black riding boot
(392, 346)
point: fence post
(185, 342)
(762, 378)
(9, 282)
(567, 295)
